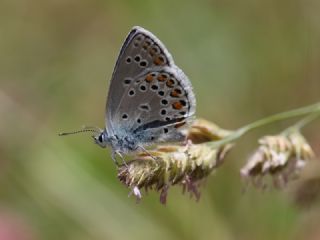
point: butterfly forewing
(140, 51)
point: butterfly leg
(148, 153)
(114, 159)
(122, 158)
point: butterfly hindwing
(156, 104)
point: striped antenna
(84, 129)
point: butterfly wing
(140, 51)
(149, 98)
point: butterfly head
(101, 138)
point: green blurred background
(246, 59)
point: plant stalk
(313, 109)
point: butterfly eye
(100, 138)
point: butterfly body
(120, 143)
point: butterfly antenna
(84, 129)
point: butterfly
(150, 99)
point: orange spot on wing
(170, 83)
(149, 78)
(146, 44)
(175, 93)
(162, 77)
(158, 60)
(177, 105)
(152, 52)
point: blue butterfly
(149, 97)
